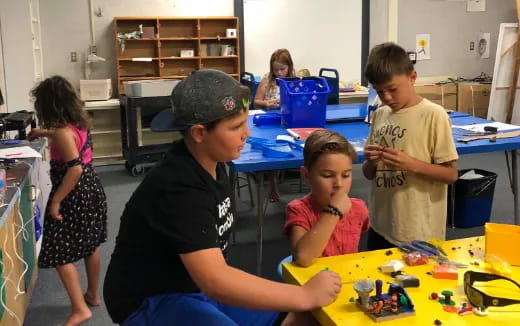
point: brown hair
(284, 57)
(326, 141)
(57, 104)
(385, 61)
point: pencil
(293, 134)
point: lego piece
(391, 266)
(448, 272)
(389, 306)
(395, 274)
(379, 288)
(449, 308)
(437, 322)
(433, 296)
(465, 309)
(415, 258)
(408, 281)
(482, 311)
(446, 298)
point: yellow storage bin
(502, 240)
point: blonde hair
(284, 57)
(326, 141)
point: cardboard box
(203, 49)
(445, 94)
(187, 53)
(501, 240)
(474, 99)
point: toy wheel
(137, 170)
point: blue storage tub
(303, 101)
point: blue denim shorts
(195, 309)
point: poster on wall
(422, 46)
(476, 5)
(483, 45)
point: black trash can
(473, 199)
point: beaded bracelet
(333, 211)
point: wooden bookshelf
(156, 53)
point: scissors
(421, 246)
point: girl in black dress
(76, 214)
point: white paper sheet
(480, 127)
(19, 152)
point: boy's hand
(398, 160)
(322, 289)
(373, 152)
(341, 201)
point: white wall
(17, 53)
(66, 28)
(317, 33)
(451, 29)
(378, 22)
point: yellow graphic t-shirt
(404, 206)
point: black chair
(333, 83)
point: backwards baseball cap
(202, 97)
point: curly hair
(326, 141)
(57, 104)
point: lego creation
(392, 305)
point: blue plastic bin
(474, 199)
(303, 101)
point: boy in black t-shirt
(168, 265)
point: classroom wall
(378, 22)
(451, 29)
(318, 34)
(15, 26)
(66, 28)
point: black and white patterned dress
(84, 211)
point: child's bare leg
(274, 195)
(300, 319)
(92, 266)
(70, 278)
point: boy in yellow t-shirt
(410, 155)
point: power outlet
(471, 46)
(73, 56)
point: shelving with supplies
(106, 131)
(175, 46)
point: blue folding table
(356, 132)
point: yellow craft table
(364, 265)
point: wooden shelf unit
(203, 35)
